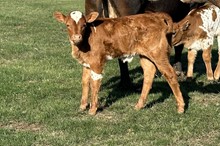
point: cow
(197, 31)
(118, 8)
(95, 41)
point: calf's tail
(168, 22)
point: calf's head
(76, 24)
(180, 32)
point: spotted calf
(95, 41)
(197, 31)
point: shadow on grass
(162, 86)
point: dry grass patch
(22, 126)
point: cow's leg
(177, 60)
(125, 79)
(217, 70)
(85, 88)
(206, 55)
(149, 72)
(169, 73)
(191, 59)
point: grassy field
(40, 89)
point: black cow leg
(177, 61)
(125, 78)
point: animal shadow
(117, 91)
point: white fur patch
(127, 58)
(86, 65)
(96, 76)
(76, 16)
(108, 57)
(209, 26)
(200, 44)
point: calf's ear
(92, 17)
(59, 16)
(186, 25)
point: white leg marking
(86, 65)
(96, 76)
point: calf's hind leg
(149, 72)
(217, 70)
(206, 55)
(168, 72)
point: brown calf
(94, 41)
(197, 31)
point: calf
(197, 31)
(94, 41)
(119, 8)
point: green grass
(40, 89)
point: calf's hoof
(210, 78)
(217, 79)
(92, 111)
(83, 107)
(180, 109)
(216, 76)
(139, 106)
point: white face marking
(96, 76)
(76, 15)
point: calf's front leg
(191, 56)
(95, 86)
(85, 88)
(96, 67)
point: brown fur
(144, 34)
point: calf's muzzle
(76, 38)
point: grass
(40, 89)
